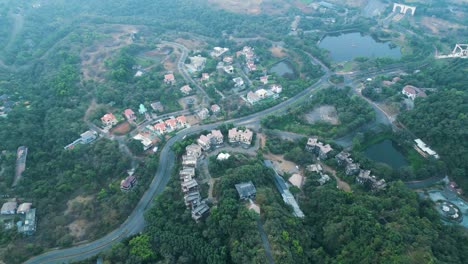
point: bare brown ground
(93, 57)
(192, 119)
(435, 25)
(191, 44)
(239, 6)
(281, 164)
(325, 113)
(342, 185)
(78, 228)
(121, 129)
(77, 200)
(278, 52)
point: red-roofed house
(128, 183)
(185, 89)
(205, 76)
(109, 120)
(264, 79)
(181, 121)
(171, 123)
(228, 59)
(215, 108)
(412, 92)
(169, 78)
(129, 114)
(276, 88)
(160, 128)
(251, 66)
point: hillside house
(186, 172)
(88, 137)
(228, 69)
(171, 124)
(205, 77)
(189, 161)
(276, 88)
(204, 142)
(28, 227)
(160, 128)
(238, 82)
(240, 137)
(109, 120)
(228, 59)
(169, 79)
(251, 66)
(252, 98)
(261, 93)
(129, 115)
(313, 145)
(412, 92)
(24, 208)
(186, 89)
(197, 63)
(199, 211)
(157, 106)
(203, 113)
(218, 51)
(352, 169)
(189, 186)
(128, 183)
(246, 190)
(264, 79)
(181, 121)
(215, 109)
(192, 199)
(193, 150)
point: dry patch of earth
(278, 52)
(78, 228)
(93, 57)
(436, 25)
(77, 201)
(282, 165)
(239, 6)
(324, 113)
(121, 129)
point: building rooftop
(246, 189)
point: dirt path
(17, 28)
(212, 182)
(339, 183)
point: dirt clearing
(78, 228)
(436, 25)
(121, 129)
(278, 52)
(324, 113)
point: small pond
(346, 47)
(284, 69)
(386, 152)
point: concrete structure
(246, 190)
(199, 211)
(223, 156)
(297, 180)
(192, 199)
(239, 82)
(144, 139)
(243, 137)
(365, 178)
(88, 137)
(193, 150)
(189, 161)
(317, 168)
(403, 8)
(460, 51)
(313, 145)
(352, 169)
(203, 114)
(276, 88)
(197, 63)
(189, 186)
(9, 208)
(252, 98)
(29, 225)
(282, 187)
(215, 109)
(425, 149)
(218, 51)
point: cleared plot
(324, 113)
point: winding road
(135, 222)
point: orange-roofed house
(181, 121)
(109, 120)
(169, 78)
(129, 114)
(160, 128)
(171, 124)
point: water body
(385, 152)
(346, 47)
(284, 69)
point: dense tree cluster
(353, 112)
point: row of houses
(363, 177)
(27, 217)
(249, 54)
(317, 147)
(189, 185)
(169, 125)
(260, 94)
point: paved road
(135, 222)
